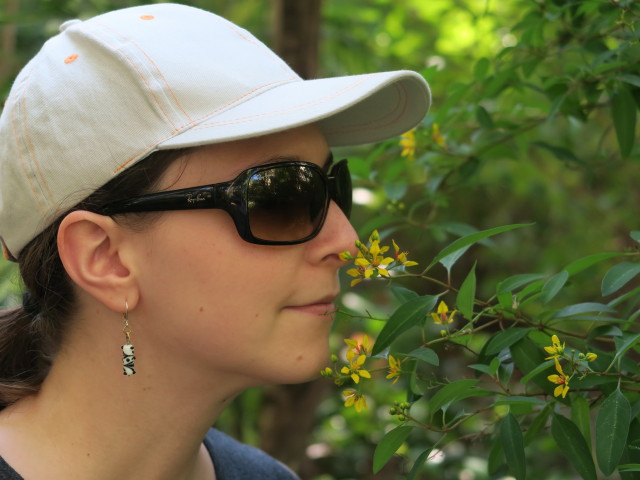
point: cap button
(69, 23)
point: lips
(321, 306)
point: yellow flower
(355, 399)
(371, 262)
(359, 348)
(394, 369)
(555, 350)
(437, 137)
(441, 317)
(327, 372)
(401, 257)
(561, 380)
(590, 357)
(408, 144)
(345, 256)
(354, 370)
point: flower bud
(334, 358)
(345, 256)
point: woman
(146, 313)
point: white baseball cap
(106, 92)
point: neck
(91, 421)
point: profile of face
(253, 314)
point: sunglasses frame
(231, 196)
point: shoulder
(236, 461)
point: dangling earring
(127, 348)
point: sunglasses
(283, 203)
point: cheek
(223, 298)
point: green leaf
(618, 276)
(473, 238)
(561, 153)
(537, 424)
(389, 445)
(528, 356)
(452, 392)
(406, 316)
(636, 235)
(581, 264)
(629, 467)
(450, 260)
(505, 339)
(480, 69)
(539, 369)
(513, 446)
(580, 415)
(571, 442)
(612, 427)
(467, 294)
(481, 367)
(517, 400)
(426, 355)
(624, 343)
(484, 118)
(554, 285)
(623, 110)
(517, 281)
(631, 79)
(496, 459)
(417, 465)
(580, 308)
(403, 294)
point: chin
(305, 367)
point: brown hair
(30, 335)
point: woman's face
(213, 302)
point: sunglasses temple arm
(184, 199)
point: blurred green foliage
(533, 121)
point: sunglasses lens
(286, 203)
(342, 187)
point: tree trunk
(297, 34)
(287, 415)
(287, 418)
(8, 47)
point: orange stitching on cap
(284, 111)
(147, 17)
(184, 127)
(144, 79)
(154, 64)
(71, 58)
(402, 105)
(14, 127)
(375, 123)
(261, 47)
(43, 180)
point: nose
(337, 235)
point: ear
(93, 250)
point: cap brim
(349, 110)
